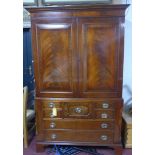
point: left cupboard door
(54, 50)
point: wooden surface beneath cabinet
(78, 65)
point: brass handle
(78, 110)
(53, 136)
(104, 125)
(104, 137)
(52, 125)
(105, 105)
(51, 105)
(104, 115)
(52, 115)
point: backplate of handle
(105, 105)
(104, 115)
(78, 110)
(52, 125)
(53, 136)
(104, 137)
(51, 105)
(104, 125)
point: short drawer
(49, 113)
(51, 104)
(107, 103)
(79, 136)
(104, 105)
(104, 114)
(78, 124)
(78, 110)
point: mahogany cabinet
(78, 65)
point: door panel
(55, 56)
(98, 46)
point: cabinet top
(114, 4)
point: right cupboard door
(100, 43)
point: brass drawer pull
(105, 105)
(78, 110)
(53, 136)
(52, 115)
(51, 105)
(52, 125)
(104, 125)
(104, 115)
(104, 137)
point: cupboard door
(100, 57)
(54, 57)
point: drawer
(79, 136)
(52, 104)
(107, 103)
(78, 110)
(104, 114)
(104, 105)
(78, 124)
(49, 113)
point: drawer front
(104, 114)
(104, 105)
(78, 124)
(78, 110)
(52, 104)
(49, 113)
(107, 103)
(101, 104)
(79, 136)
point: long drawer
(97, 103)
(77, 124)
(78, 136)
(102, 104)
